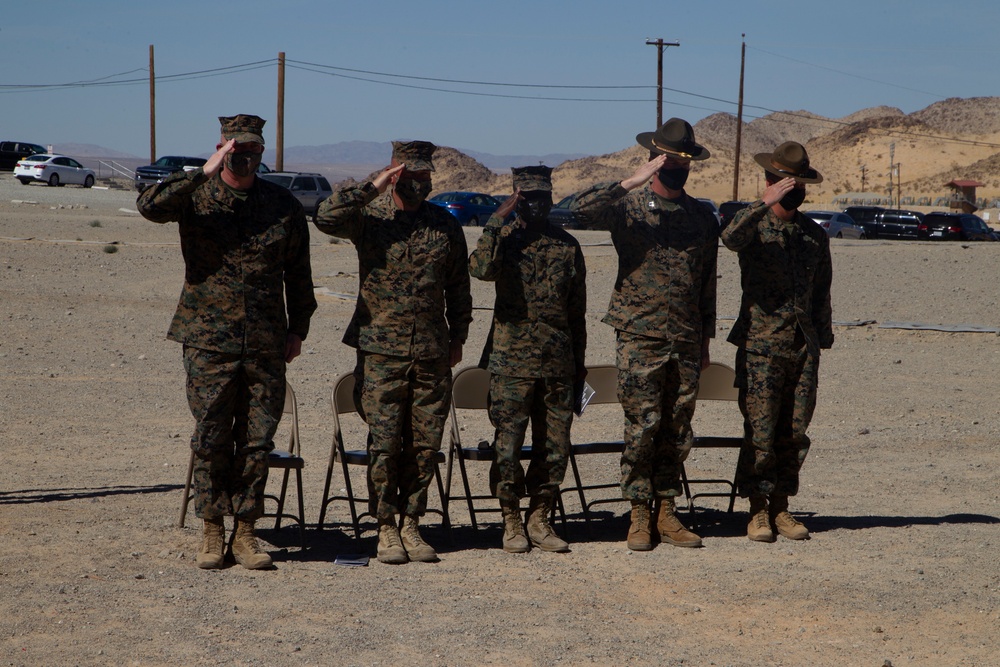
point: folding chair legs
(187, 492)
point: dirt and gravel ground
(900, 489)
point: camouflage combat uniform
(413, 300)
(662, 308)
(243, 255)
(785, 319)
(535, 350)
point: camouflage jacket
(667, 260)
(786, 272)
(242, 259)
(414, 296)
(539, 327)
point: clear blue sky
(830, 58)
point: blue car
(469, 208)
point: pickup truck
(881, 223)
(152, 174)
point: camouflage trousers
(405, 404)
(657, 387)
(777, 397)
(236, 402)
(548, 403)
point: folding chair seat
(342, 403)
(288, 460)
(470, 390)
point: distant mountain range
(919, 154)
(367, 153)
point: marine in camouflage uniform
(245, 244)
(535, 351)
(663, 311)
(785, 320)
(412, 318)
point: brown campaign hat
(789, 160)
(416, 155)
(675, 137)
(244, 128)
(529, 179)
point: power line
(468, 92)
(787, 117)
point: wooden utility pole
(279, 140)
(739, 122)
(152, 108)
(660, 45)
(892, 158)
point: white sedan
(837, 225)
(54, 170)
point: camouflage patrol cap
(532, 178)
(416, 155)
(244, 128)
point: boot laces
(390, 536)
(760, 520)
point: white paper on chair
(584, 398)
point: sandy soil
(900, 489)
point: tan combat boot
(784, 522)
(246, 551)
(416, 548)
(671, 530)
(213, 545)
(514, 540)
(390, 547)
(539, 531)
(639, 536)
(759, 528)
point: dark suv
(940, 226)
(880, 223)
(11, 152)
(152, 174)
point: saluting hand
(214, 164)
(509, 204)
(382, 181)
(775, 191)
(644, 173)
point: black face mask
(412, 191)
(243, 164)
(534, 211)
(673, 178)
(793, 199)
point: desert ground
(900, 488)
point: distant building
(963, 196)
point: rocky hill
(955, 138)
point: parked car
(728, 209)
(469, 208)
(715, 209)
(942, 226)
(54, 170)
(837, 225)
(561, 215)
(881, 223)
(152, 174)
(309, 188)
(12, 152)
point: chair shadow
(26, 496)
